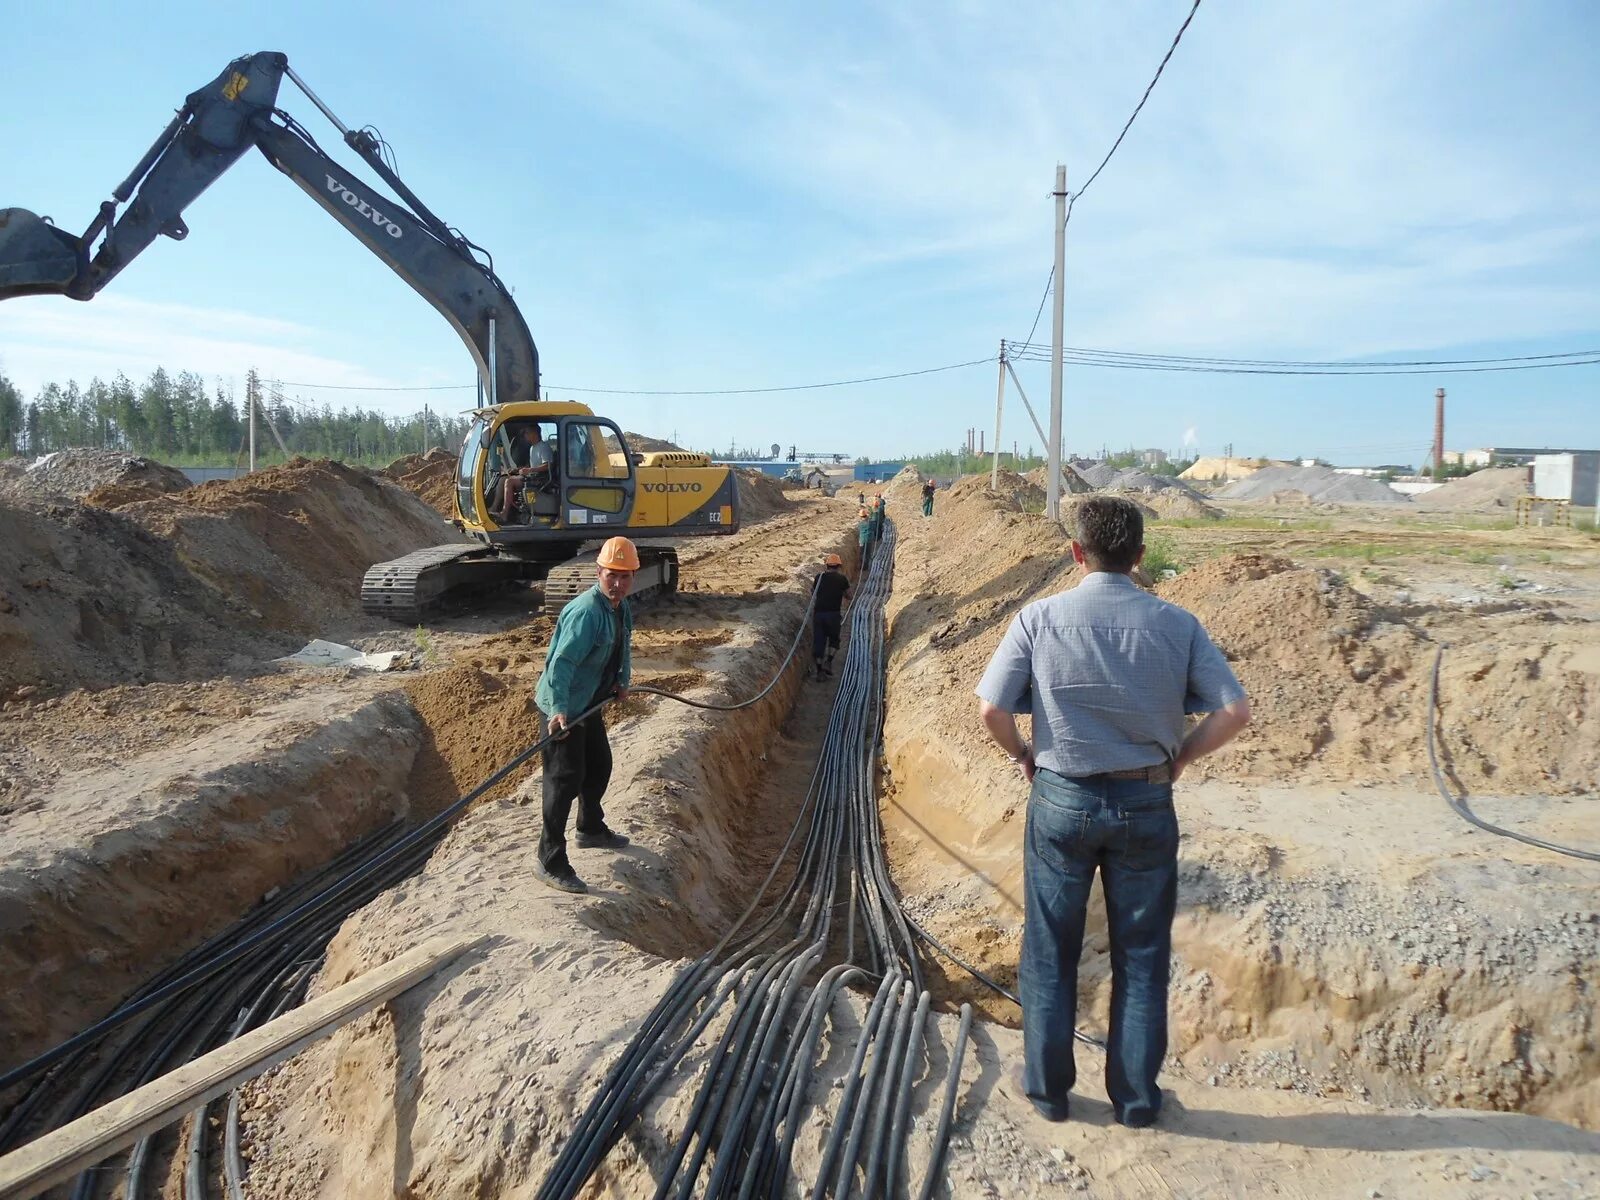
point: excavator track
(658, 576)
(406, 589)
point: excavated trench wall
(119, 871)
(1345, 957)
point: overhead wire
(1095, 174)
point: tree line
(176, 417)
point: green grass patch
(1366, 551)
(1161, 555)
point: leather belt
(1160, 773)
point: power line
(1093, 359)
(1144, 356)
(753, 391)
(1165, 59)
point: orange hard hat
(863, 512)
(619, 554)
(833, 560)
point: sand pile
(1318, 485)
(1216, 469)
(760, 495)
(195, 581)
(431, 477)
(294, 541)
(1491, 490)
(1179, 506)
(1339, 686)
(90, 598)
(107, 478)
(640, 444)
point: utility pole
(424, 431)
(1438, 434)
(250, 388)
(999, 405)
(1052, 477)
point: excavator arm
(216, 125)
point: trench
(84, 923)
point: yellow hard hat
(833, 560)
(619, 554)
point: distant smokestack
(980, 441)
(1438, 432)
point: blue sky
(698, 196)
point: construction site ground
(1370, 997)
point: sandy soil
(1357, 970)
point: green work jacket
(574, 667)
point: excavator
(539, 483)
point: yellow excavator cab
(582, 484)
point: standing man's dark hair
(1108, 673)
(1110, 533)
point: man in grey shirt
(1108, 674)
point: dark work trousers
(824, 633)
(1127, 829)
(576, 766)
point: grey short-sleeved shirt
(1107, 672)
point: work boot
(819, 668)
(829, 667)
(603, 838)
(563, 879)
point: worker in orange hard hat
(589, 661)
(832, 590)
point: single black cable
(1459, 803)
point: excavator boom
(217, 124)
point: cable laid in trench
(749, 1096)
(1459, 803)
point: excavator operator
(530, 464)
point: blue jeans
(1128, 829)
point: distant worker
(1107, 672)
(877, 517)
(530, 463)
(928, 490)
(827, 620)
(864, 530)
(590, 660)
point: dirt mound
(294, 541)
(1490, 490)
(1135, 480)
(760, 495)
(1321, 485)
(641, 444)
(90, 598)
(431, 477)
(1339, 685)
(1180, 506)
(1100, 475)
(195, 581)
(107, 478)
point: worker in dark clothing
(864, 532)
(928, 489)
(833, 591)
(878, 513)
(590, 660)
